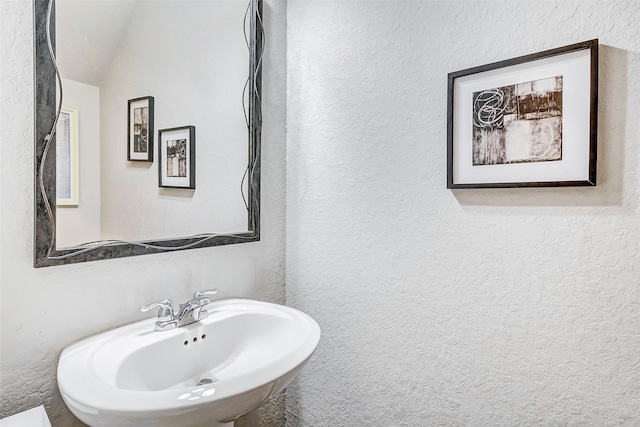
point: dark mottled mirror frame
(45, 252)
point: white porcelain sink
(207, 373)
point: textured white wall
(44, 310)
(437, 307)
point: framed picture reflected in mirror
(177, 157)
(140, 129)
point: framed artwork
(525, 122)
(67, 158)
(140, 129)
(177, 163)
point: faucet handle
(165, 303)
(202, 295)
(164, 313)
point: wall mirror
(147, 126)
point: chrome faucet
(190, 312)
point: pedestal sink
(205, 374)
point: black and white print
(177, 158)
(518, 123)
(141, 129)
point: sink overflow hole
(205, 381)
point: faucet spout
(194, 310)
(184, 309)
(187, 313)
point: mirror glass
(157, 115)
(191, 57)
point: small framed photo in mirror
(177, 163)
(140, 129)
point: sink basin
(207, 373)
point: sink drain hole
(205, 381)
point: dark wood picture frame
(177, 157)
(140, 138)
(529, 121)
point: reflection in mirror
(199, 64)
